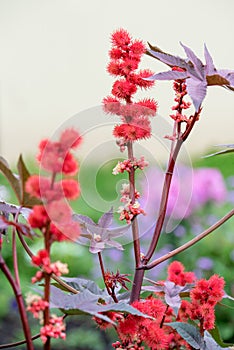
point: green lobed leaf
(189, 333)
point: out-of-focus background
(53, 56)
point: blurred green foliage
(219, 247)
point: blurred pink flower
(208, 186)
(190, 190)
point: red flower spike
(70, 231)
(115, 53)
(41, 259)
(125, 58)
(38, 218)
(111, 105)
(123, 89)
(70, 188)
(177, 275)
(59, 212)
(121, 38)
(114, 68)
(138, 79)
(70, 165)
(55, 156)
(70, 138)
(137, 48)
(149, 106)
(131, 132)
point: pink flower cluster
(130, 208)
(42, 260)
(179, 87)
(125, 56)
(55, 213)
(191, 189)
(36, 305)
(129, 164)
(56, 157)
(53, 217)
(54, 329)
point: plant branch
(166, 187)
(46, 313)
(109, 291)
(14, 252)
(53, 276)
(190, 243)
(21, 342)
(164, 201)
(135, 229)
(20, 303)
(138, 276)
(14, 256)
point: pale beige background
(53, 55)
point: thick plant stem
(47, 310)
(20, 303)
(138, 278)
(135, 229)
(47, 345)
(15, 260)
(137, 283)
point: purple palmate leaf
(169, 75)
(210, 68)
(197, 63)
(197, 91)
(170, 60)
(197, 74)
(100, 234)
(8, 208)
(106, 219)
(22, 228)
(86, 302)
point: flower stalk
(19, 299)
